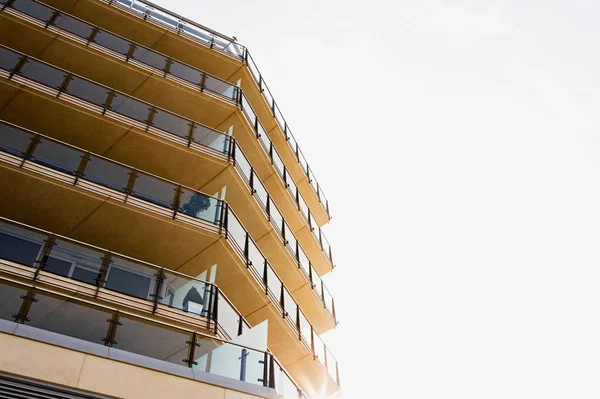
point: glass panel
(326, 246)
(292, 141)
(8, 59)
(279, 119)
(171, 123)
(331, 363)
(131, 108)
(264, 139)
(74, 261)
(150, 57)
(305, 329)
(292, 186)
(220, 87)
(130, 278)
(303, 259)
(284, 385)
(236, 231)
(274, 283)
(242, 164)
(328, 299)
(258, 261)
(290, 305)
(10, 300)
(13, 140)
(316, 283)
(302, 161)
(87, 91)
(248, 110)
(211, 138)
(261, 191)
(75, 26)
(278, 163)
(166, 19)
(20, 245)
(312, 180)
(303, 207)
(267, 95)
(112, 42)
(153, 190)
(185, 294)
(200, 206)
(152, 340)
(289, 236)
(186, 73)
(319, 349)
(43, 73)
(276, 218)
(229, 320)
(107, 173)
(231, 361)
(67, 317)
(197, 33)
(33, 9)
(57, 156)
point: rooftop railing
(152, 119)
(148, 338)
(223, 44)
(195, 133)
(98, 174)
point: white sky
(458, 144)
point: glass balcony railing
(187, 130)
(107, 177)
(141, 112)
(223, 44)
(114, 328)
(71, 261)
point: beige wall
(53, 364)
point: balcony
(130, 338)
(291, 260)
(150, 218)
(195, 44)
(193, 87)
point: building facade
(160, 227)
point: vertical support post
(29, 298)
(109, 339)
(190, 135)
(265, 278)
(44, 254)
(271, 371)
(176, 201)
(85, 158)
(216, 309)
(193, 343)
(240, 325)
(243, 364)
(160, 278)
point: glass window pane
(185, 294)
(112, 42)
(153, 190)
(33, 9)
(200, 206)
(130, 278)
(107, 173)
(131, 108)
(81, 263)
(10, 300)
(57, 156)
(186, 73)
(211, 138)
(20, 245)
(152, 340)
(67, 317)
(150, 57)
(171, 123)
(8, 59)
(87, 91)
(75, 26)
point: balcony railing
(165, 291)
(106, 177)
(114, 328)
(225, 45)
(147, 117)
(194, 132)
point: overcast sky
(458, 144)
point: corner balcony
(112, 205)
(137, 146)
(185, 40)
(130, 67)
